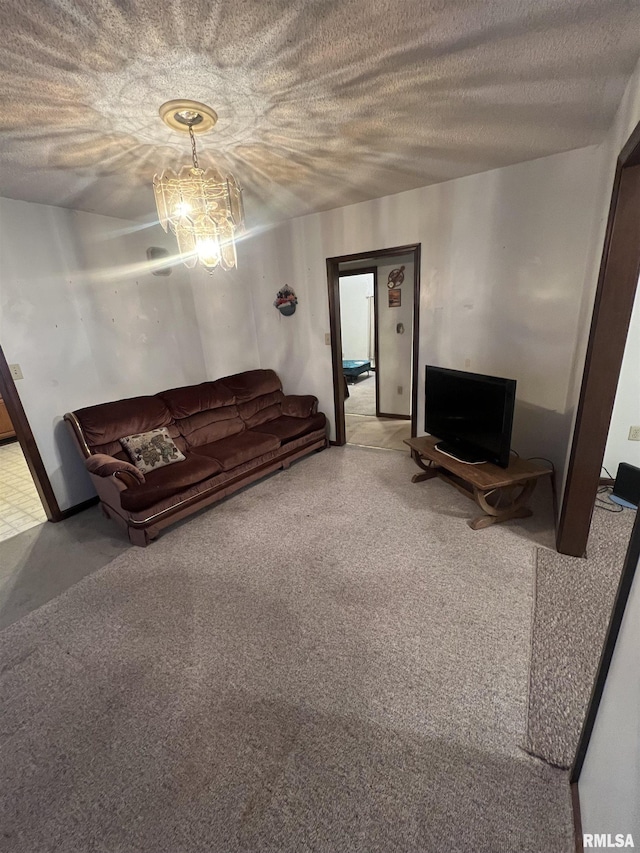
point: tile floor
(377, 432)
(363, 427)
(20, 506)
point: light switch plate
(16, 372)
(634, 433)
(327, 338)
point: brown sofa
(231, 431)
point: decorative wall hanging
(395, 297)
(286, 301)
(202, 207)
(396, 277)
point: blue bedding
(352, 368)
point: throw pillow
(151, 450)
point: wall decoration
(154, 254)
(395, 298)
(286, 301)
(396, 277)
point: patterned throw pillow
(151, 450)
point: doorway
(26, 496)
(373, 315)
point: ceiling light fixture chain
(194, 153)
(203, 207)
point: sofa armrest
(108, 466)
(299, 406)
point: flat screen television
(471, 413)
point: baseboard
(74, 510)
(577, 817)
(393, 417)
(606, 481)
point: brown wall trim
(577, 817)
(27, 441)
(376, 338)
(335, 326)
(333, 281)
(393, 417)
(74, 510)
(617, 282)
(416, 339)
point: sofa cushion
(264, 408)
(187, 401)
(286, 428)
(252, 383)
(163, 483)
(299, 405)
(109, 422)
(151, 450)
(233, 451)
(211, 425)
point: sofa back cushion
(191, 399)
(252, 383)
(103, 425)
(258, 394)
(204, 413)
(211, 425)
(261, 409)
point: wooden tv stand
(501, 493)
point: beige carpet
(329, 661)
(574, 599)
(362, 396)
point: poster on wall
(395, 297)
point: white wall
(395, 351)
(356, 296)
(609, 783)
(87, 322)
(504, 264)
(626, 411)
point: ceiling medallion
(202, 207)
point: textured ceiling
(320, 103)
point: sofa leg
(138, 537)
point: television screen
(471, 413)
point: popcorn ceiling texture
(320, 104)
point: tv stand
(501, 493)
(460, 454)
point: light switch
(327, 338)
(16, 372)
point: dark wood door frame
(615, 294)
(374, 272)
(27, 442)
(333, 282)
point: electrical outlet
(16, 372)
(327, 338)
(634, 433)
(399, 389)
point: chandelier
(202, 207)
